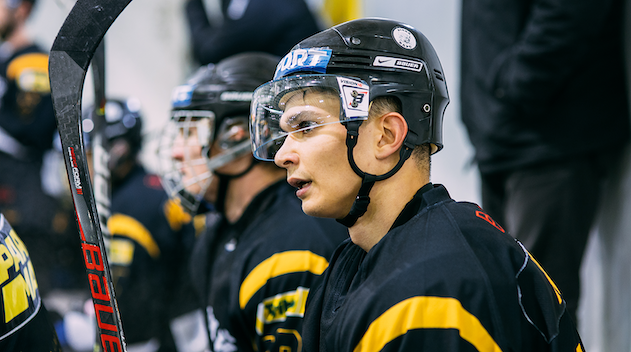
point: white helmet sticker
(354, 96)
(404, 38)
(395, 62)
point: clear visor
(298, 103)
(182, 154)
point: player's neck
(242, 190)
(387, 200)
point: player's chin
(320, 210)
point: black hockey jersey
(445, 278)
(25, 323)
(148, 254)
(254, 275)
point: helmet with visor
(356, 62)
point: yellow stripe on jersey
(557, 292)
(123, 225)
(427, 313)
(276, 265)
(175, 214)
(31, 72)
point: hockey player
(26, 325)
(354, 114)
(27, 128)
(151, 235)
(260, 255)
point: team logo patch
(311, 59)
(354, 96)
(404, 38)
(395, 62)
(120, 252)
(182, 96)
(281, 306)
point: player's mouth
(301, 185)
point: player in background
(260, 255)
(272, 26)
(25, 325)
(353, 114)
(27, 129)
(151, 236)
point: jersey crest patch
(281, 306)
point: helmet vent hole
(345, 60)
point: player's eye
(306, 126)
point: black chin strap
(360, 205)
(224, 179)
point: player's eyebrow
(292, 120)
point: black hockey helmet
(215, 101)
(225, 88)
(393, 58)
(359, 60)
(123, 120)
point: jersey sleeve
(273, 296)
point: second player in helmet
(260, 255)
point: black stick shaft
(70, 56)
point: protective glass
(296, 104)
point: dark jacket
(542, 80)
(271, 26)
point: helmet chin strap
(360, 205)
(224, 179)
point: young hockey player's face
(314, 154)
(187, 150)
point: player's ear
(391, 129)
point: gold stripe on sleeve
(427, 313)
(276, 265)
(123, 225)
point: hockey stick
(99, 142)
(70, 56)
